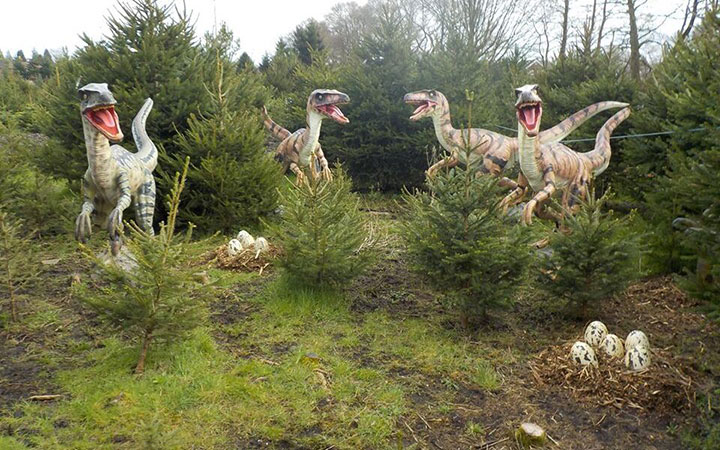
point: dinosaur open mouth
(423, 107)
(105, 119)
(529, 116)
(333, 112)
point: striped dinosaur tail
(147, 152)
(567, 126)
(276, 130)
(600, 156)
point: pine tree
(592, 260)
(307, 38)
(456, 236)
(234, 184)
(17, 263)
(159, 299)
(323, 233)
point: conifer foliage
(592, 260)
(323, 233)
(158, 300)
(455, 235)
(17, 267)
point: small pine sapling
(17, 263)
(592, 260)
(324, 235)
(159, 299)
(456, 236)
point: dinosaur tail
(567, 126)
(147, 152)
(600, 156)
(276, 130)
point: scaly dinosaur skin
(115, 177)
(298, 150)
(496, 150)
(546, 167)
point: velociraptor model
(496, 150)
(548, 166)
(298, 150)
(114, 177)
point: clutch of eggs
(234, 247)
(635, 338)
(595, 332)
(583, 354)
(637, 358)
(613, 346)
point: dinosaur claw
(528, 212)
(327, 174)
(83, 227)
(115, 222)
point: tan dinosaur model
(496, 150)
(546, 167)
(300, 149)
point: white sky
(53, 24)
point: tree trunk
(140, 368)
(634, 42)
(563, 42)
(602, 26)
(690, 16)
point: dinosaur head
(428, 101)
(529, 108)
(97, 106)
(324, 102)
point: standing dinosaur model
(496, 150)
(115, 177)
(547, 166)
(300, 149)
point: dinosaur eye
(319, 96)
(432, 93)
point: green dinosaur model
(115, 177)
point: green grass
(299, 368)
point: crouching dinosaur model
(115, 177)
(300, 150)
(547, 166)
(494, 149)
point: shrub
(455, 235)
(158, 300)
(17, 266)
(323, 233)
(592, 260)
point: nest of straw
(245, 261)
(665, 386)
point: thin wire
(623, 136)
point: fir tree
(159, 299)
(456, 236)
(17, 264)
(323, 233)
(592, 260)
(235, 183)
(307, 38)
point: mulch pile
(245, 261)
(665, 386)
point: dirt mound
(666, 386)
(245, 261)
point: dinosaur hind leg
(145, 204)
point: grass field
(381, 365)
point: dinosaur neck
(314, 122)
(528, 147)
(99, 155)
(443, 127)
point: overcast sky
(53, 24)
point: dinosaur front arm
(325, 169)
(542, 196)
(517, 194)
(449, 162)
(83, 223)
(115, 218)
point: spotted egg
(581, 353)
(637, 358)
(261, 245)
(635, 338)
(595, 332)
(613, 346)
(245, 239)
(234, 247)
